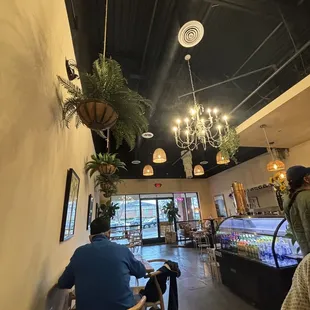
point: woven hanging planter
(108, 189)
(107, 169)
(96, 114)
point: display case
(256, 258)
(259, 238)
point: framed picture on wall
(70, 205)
(220, 205)
(89, 211)
(254, 203)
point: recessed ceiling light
(136, 162)
(147, 135)
(204, 162)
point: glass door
(164, 225)
(153, 220)
(149, 219)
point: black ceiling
(142, 37)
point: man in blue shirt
(101, 272)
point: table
(146, 264)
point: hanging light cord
(105, 28)
(104, 54)
(268, 144)
(192, 82)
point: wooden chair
(140, 305)
(160, 301)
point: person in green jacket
(297, 206)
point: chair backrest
(153, 275)
(139, 305)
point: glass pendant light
(274, 164)
(221, 160)
(281, 175)
(159, 156)
(198, 170)
(148, 171)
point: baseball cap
(99, 225)
(296, 173)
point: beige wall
(36, 152)
(252, 173)
(170, 186)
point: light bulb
(186, 120)
(209, 110)
(175, 128)
(192, 111)
(219, 127)
(186, 132)
(282, 176)
(215, 110)
(275, 166)
(178, 121)
(225, 117)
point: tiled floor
(196, 288)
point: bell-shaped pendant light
(148, 171)
(281, 175)
(275, 165)
(198, 170)
(159, 156)
(221, 160)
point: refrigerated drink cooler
(256, 258)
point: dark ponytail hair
(295, 185)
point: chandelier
(205, 127)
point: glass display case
(259, 238)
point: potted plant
(106, 102)
(107, 183)
(106, 164)
(172, 213)
(108, 209)
(230, 144)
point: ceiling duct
(191, 33)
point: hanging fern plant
(230, 144)
(106, 102)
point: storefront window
(128, 214)
(120, 216)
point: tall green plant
(108, 209)
(106, 83)
(171, 212)
(230, 144)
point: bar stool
(203, 245)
